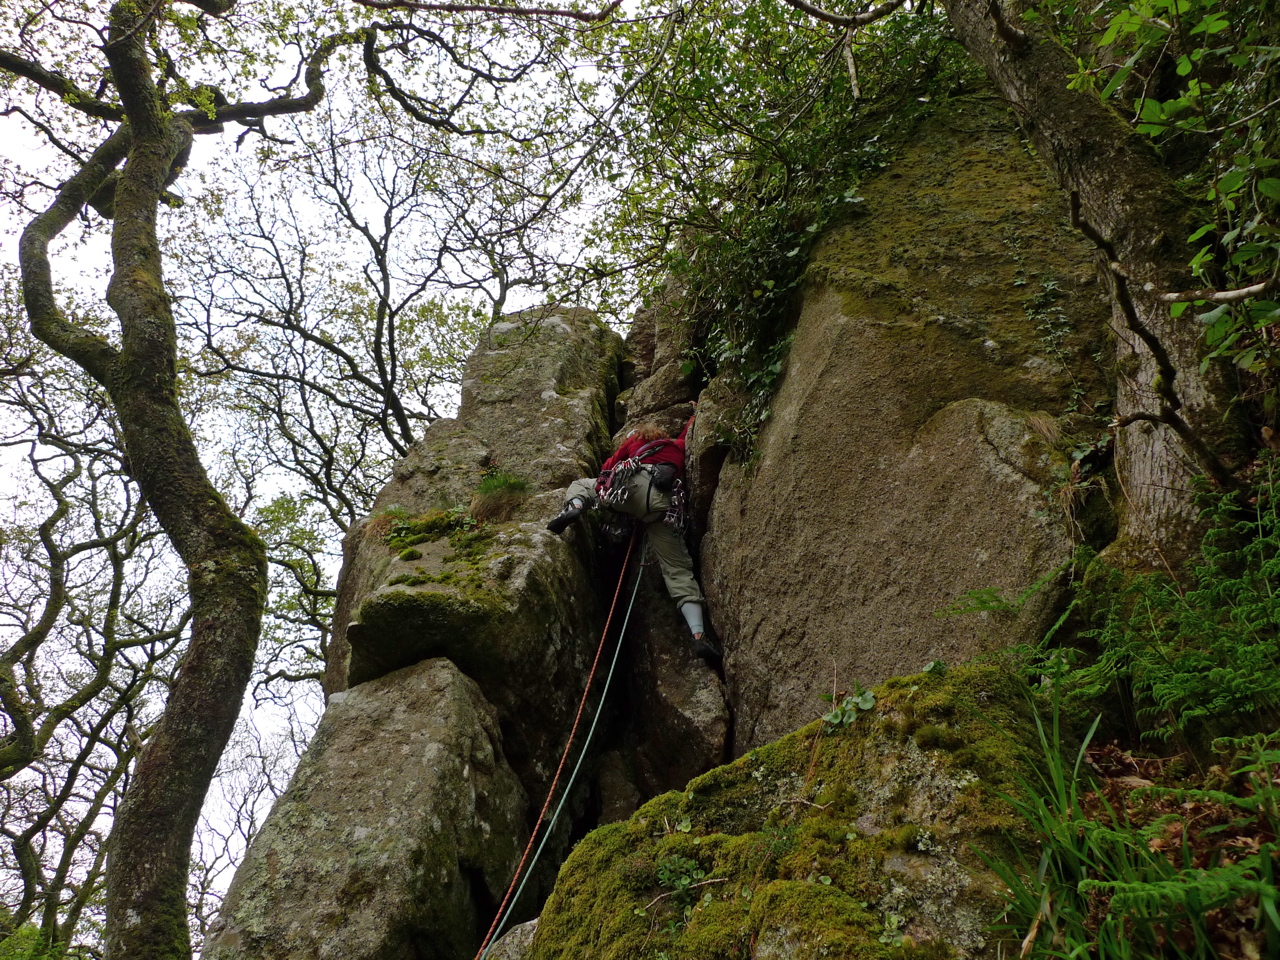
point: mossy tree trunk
(1172, 427)
(225, 561)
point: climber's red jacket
(668, 450)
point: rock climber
(644, 479)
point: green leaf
(1232, 181)
(1120, 75)
(1270, 187)
(1212, 315)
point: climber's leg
(676, 565)
(580, 496)
(584, 490)
(692, 613)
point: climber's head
(649, 433)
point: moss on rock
(859, 844)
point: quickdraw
(614, 484)
(677, 514)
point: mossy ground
(855, 844)
(407, 532)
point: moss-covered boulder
(401, 826)
(512, 605)
(857, 843)
(948, 362)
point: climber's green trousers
(647, 503)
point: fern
(1104, 887)
(1207, 659)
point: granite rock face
(539, 389)
(361, 859)
(537, 396)
(499, 620)
(515, 943)
(950, 340)
(459, 651)
(910, 456)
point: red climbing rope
(573, 732)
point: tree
(709, 123)
(126, 107)
(1128, 203)
(96, 618)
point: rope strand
(573, 731)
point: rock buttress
(944, 335)
(395, 859)
(459, 651)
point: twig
(1219, 296)
(839, 20)
(813, 756)
(596, 17)
(1006, 31)
(1235, 123)
(672, 893)
(1120, 286)
(850, 63)
(808, 803)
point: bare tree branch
(1219, 296)
(1006, 31)
(843, 20)
(90, 351)
(597, 17)
(56, 83)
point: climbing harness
(521, 875)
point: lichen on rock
(536, 399)
(900, 466)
